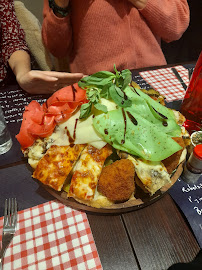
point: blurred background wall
(36, 7)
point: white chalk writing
(189, 188)
(13, 103)
(198, 211)
(196, 200)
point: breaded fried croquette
(172, 161)
(116, 181)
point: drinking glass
(191, 106)
(5, 138)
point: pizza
(101, 140)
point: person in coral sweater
(14, 54)
(97, 34)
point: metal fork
(9, 226)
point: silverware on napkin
(9, 226)
(177, 75)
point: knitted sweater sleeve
(56, 32)
(167, 18)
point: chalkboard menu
(189, 198)
(13, 101)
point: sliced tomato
(62, 118)
(65, 112)
(43, 130)
(71, 93)
(34, 111)
(40, 120)
(56, 110)
(24, 137)
(33, 105)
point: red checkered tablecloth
(51, 236)
(164, 81)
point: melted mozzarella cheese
(83, 130)
(35, 152)
(87, 171)
(80, 130)
(180, 119)
(54, 167)
(153, 175)
(183, 156)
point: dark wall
(189, 46)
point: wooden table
(152, 238)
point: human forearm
(20, 63)
(36, 81)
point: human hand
(139, 4)
(62, 3)
(46, 82)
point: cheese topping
(153, 175)
(54, 167)
(87, 171)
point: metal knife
(177, 75)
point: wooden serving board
(141, 200)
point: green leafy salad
(139, 125)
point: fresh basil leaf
(112, 91)
(105, 81)
(102, 74)
(126, 102)
(105, 84)
(125, 72)
(119, 97)
(99, 77)
(124, 79)
(119, 82)
(93, 94)
(127, 77)
(83, 85)
(119, 91)
(105, 91)
(101, 107)
(99, 82)
(116, 72)
(85, 110)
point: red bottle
(191, 106)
